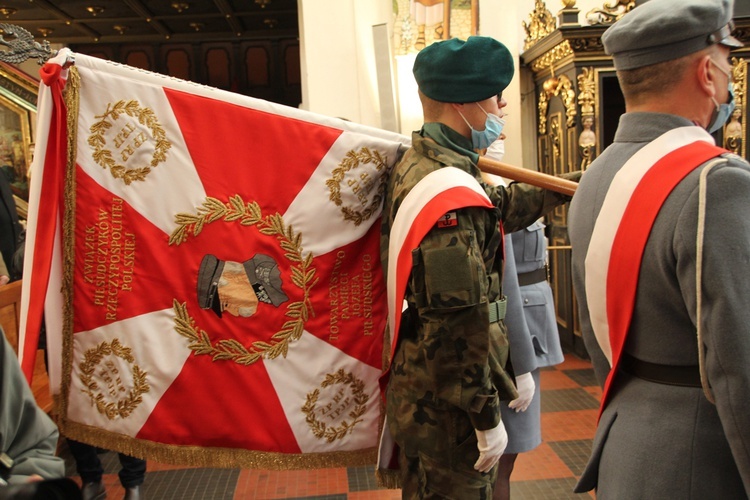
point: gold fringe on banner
(390, 479)
(216, 457)
(72, 101)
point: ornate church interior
(569, 104)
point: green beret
(662, 30)
(463, 71)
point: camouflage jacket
(449, 355)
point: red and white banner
(623, 226)
(222, 297)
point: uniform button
(525, 301)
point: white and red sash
(438, 193)
(622, 228)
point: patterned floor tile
(292, 484)
(583, 377)
(191, 484)
(573, 362)
(567, 400)
(546, 489)
(594, 391)
(553, 380)
(575, 454)
(375, 495)
(362, 478)
(321, 497)
(568, 425)
(540, 463)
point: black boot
(132, 493)
(93, 491)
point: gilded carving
(556, 143)
(586, 91)
(587, 100)
(341, 395)
(739, 77)
(562, 87)
(541, 23)
(129, 136)
(302, 275)
(552, 56)
(587, 44)
(543, 105)
(610, 12)
(115, 393)
(362, 185)
(587, 142)
(734, 131)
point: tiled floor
(570, 398)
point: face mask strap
(483, 111)
(465, 120)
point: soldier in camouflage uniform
(447, 376)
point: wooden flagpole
(539, 179)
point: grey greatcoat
(664, 441)
(27, 435)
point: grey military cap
(663, 30)
(208, 283)
(265, 276)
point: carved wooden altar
(578, 105)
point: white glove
(491, 444)
(525, 386)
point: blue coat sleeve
(522, 355)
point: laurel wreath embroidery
(121, 408)
(104, 156)
(302, 275)
(351, 161)
(320, 429)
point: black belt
(535, 276)
(684, 376)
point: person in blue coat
(532, 335)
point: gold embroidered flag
(221, 297)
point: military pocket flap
(533, 298)
(451, 279)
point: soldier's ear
(705, 77)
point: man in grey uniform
(675, 318)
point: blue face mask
(493, 127)
(723, 111)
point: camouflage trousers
(437, 452)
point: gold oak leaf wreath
(350, 161)
(303, 275)
(91, 360)
(104, 156)
(320, 429)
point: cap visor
(731, 41)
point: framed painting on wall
(18, 94)
(15, 139)
(418, 23)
